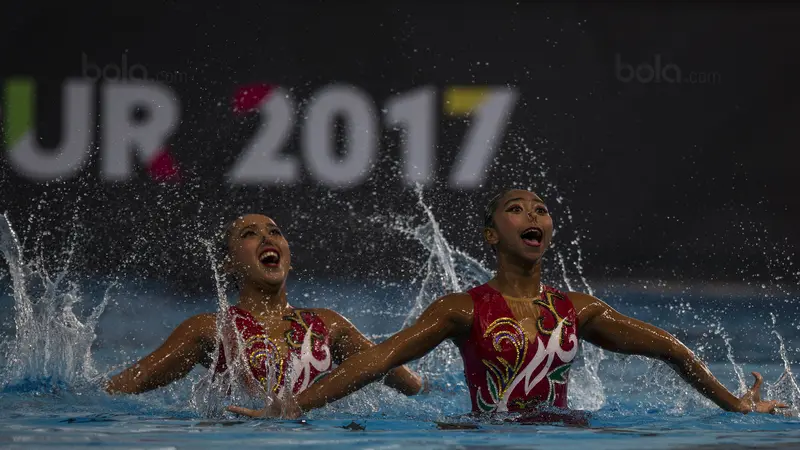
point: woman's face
(522, 225)
(257, 250)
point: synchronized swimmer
(281, 346)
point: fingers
(772, 406)
(759, 380)
(244, 411)
(775, 405)
(756, 389)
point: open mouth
(532, 237)
(270, 257)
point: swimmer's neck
(516, 278)
(265, 300)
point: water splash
(740, 378)
(785, 387)
(67, 359)
(587, 390)
(52, 346)
(447, 270)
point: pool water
(643, 403)
(61, 340)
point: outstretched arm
(187, 346)
(348, 341)
(448, 317)
(601, 325)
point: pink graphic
(164, 168)
(247, 98)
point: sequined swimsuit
(307, 360)
(505, 371)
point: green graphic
(20, 101)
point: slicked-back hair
(491, 207)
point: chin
(276, 277)
(274, 280)
(268, 278)
(532, 256)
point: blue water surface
(637, 404)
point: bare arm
(448, 317)
(348, 341)
(187, 346)
(601, 325)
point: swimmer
(303, 344)
(517, 337)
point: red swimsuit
(308, 357)
(505, 371)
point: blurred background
(662, 136)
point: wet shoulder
(203, 321)
(586, 306)
(457, 307)
(457, 299)
(581, 301)
(201, 326)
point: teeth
(268, 254)
(533, 232)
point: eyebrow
(536, 200)
(255, 225)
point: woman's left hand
(276, 407)
(751, 400)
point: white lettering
(122, 135)
(413, 113)
(361, 137)
(261, 161)
(480, 144)
(77, 119)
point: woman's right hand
(751, 400)
(277, 407)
